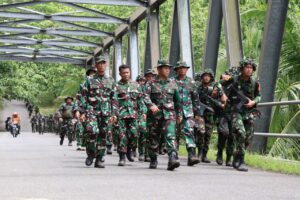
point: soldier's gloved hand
(179, 120)
(154, 109)
(250, 104)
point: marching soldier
(244, 95)
(163, 101)
(100, 110)
(189, 102)
(130, 104)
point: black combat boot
(219, 158)
(122, 159)
(204, 157)
(99, 163)
(61, 140)
(236, 161)
(242, 167)
(89, 160)
(129, 155)
(153, 162)
(108, 150)
(228, 160)
(192, 158)
(173, 162)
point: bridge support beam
(117, 58)
(133, 51)
(233, 35)
(152, 47)
(268, 65)
(213, 33)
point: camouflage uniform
(130, 104)
(209, 117)
(99, 102)
(66, 112)
(243, 118)
(165, 95)
(224, 127)
(190, 106)
(142, 130)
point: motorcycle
(14, 129)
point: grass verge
(262, 162)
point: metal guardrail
(278, 135)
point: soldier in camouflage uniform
(208, 90)
(163, 101)
(243, 89)
(33, 121)
(143, 131)
(130, 104)
(66, 113)
(100, 109)
(189, 102)
(224, 128)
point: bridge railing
(278, 135)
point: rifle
(214, 101)
(204, 107)
(241, 96)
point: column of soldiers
(155, 114)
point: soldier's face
(141, 82)
(149, 77)
(164, 71)
(248, 70)
(206, 78)
(69, 101)
(101, 67)
(182, 71)
(125, 74)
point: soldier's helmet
(150, 71)
(90, 70)
(197, 77)
(140, 78)
(233, 71)
(181, 64)
(162, 62)
(209, 72)
(248, 61)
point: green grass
(262, 162)
(48, 110)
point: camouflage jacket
(189, 98)
(99, 96)
(130, 100)
(66, 111)
(250, 88)
(165, 95)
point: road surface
(35, 167)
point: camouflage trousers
(67, 130)
(115, 134)
(166, 129)
(128, 134)
(79, 133)
(203, 138)
(225, 136)
(243, 130)
(186, 130)
(143, 136)
(96, 131)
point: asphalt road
(35, 167)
